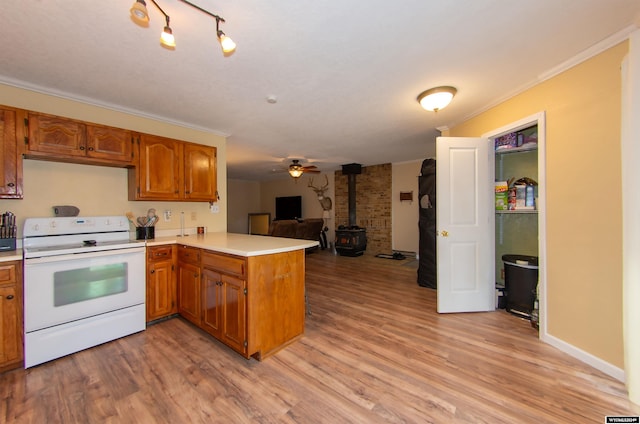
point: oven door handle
(85, 255)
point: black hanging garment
(427, 265)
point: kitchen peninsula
(247, 291)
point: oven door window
(82, 284)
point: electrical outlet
(167, 215)
(214, 208)
(194, 216)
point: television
(288, 207)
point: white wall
(405, 214)
(251, 197)
(310, 205)
(244, 198)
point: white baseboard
(585, 357)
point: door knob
(444, 233)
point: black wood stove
(351, 240)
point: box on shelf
(507, 141)
(529, 137)
(502, 195)
(523, 140)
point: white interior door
(465, 225)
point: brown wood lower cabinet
(275, 302)
(161, 282)
(224, 294)
(189, 303)
(255, 305)
(11, 351)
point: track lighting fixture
(227, 44)
(436, 98)
(166, 38)
(140, 15)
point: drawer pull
(10, 297)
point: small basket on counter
(8, 232)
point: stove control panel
(34, 227)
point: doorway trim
(538, 119)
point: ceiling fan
(296, 169)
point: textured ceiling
(345, 74)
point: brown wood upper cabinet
(67, 140)
(173, 170)
(200, 172)
(11, 160)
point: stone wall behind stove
(373, 205)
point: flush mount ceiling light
(140, 15)
(436, 98)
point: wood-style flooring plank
(374, 351)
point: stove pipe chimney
(351, 170)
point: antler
(319, 189)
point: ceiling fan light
(139, 13)
(436, 98)
(296, 170)
(167, 39)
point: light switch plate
(214, 208)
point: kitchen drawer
(224, 263)
(159, 253)
(7, 273)
(189, 255)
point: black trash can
(520, 281)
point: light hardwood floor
(374, 351)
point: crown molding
(116, 108)
(584, 55)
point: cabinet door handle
(10, 297)
(90, 149)
(218, 283)
(81, 147)
(195, 275)
(152, 271)
(11, 185)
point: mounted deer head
(325, 202)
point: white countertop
(237, 244)
(12, 255)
